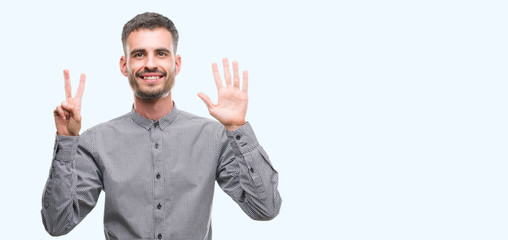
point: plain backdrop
(385, 119)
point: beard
(152, 93)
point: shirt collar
(148, 123)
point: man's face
(150, 63)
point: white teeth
(150, 78)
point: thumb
(206, 100)
(73, 110)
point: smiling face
(150, 63)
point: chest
(135, 164)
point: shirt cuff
(243, 139)
(65, 148)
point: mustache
(155, 70)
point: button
(251, 169)
(156, 145)
(159, 206)
(156, 124)
(238, 137)
(158, 176)
(159, 236)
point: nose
(150, 62)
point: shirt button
(251, 169)
(158, 176)
(238, 137)
(156, 124)
(159, 206)
(159, 236)
(156, 145)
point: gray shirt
(158, 176)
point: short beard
(169, 80)
(152, 95)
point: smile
(151, 77)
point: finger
(236, 78)
(72, 111)
(245, 83)
(206, 100)
(67, 80)
(81, 87)
(216, 76)
(67, 115)
(60, 111)
(227, 73)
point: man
(157, 164)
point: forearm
(260, 181)
(57, 211)
(256, 179)
(73, 186)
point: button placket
(158, 181)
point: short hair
(149, 20)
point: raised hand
(231, 108)
(68, 114)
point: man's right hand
(68, 114)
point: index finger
(216, 76)
(67, 80)
(245, 81)
(81, 87)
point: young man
(157, 164)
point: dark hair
(150, 21)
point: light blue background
(385, 119)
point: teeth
(150, 78)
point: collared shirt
(158, 176)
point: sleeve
(73, 185)
(246, 174)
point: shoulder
(186, 116)
(186, 119)
(116, 122)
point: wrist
(232, 127)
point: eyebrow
(162, 50)
(141, 50)
(138, 50)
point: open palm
(231, 107)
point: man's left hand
(231, 108)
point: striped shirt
(158, 176)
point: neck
(153, 109)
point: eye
(138, 55)
(162, 54)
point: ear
(178, 64)
(123, 65)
